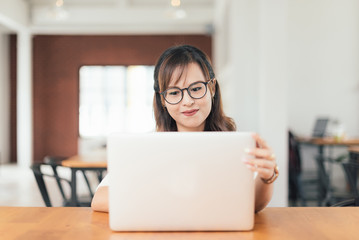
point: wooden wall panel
(56, 64)
(13, 85)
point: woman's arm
(263, 193)
(100, 199)
(264, 163)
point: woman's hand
(264, 159)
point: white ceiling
(158, 3)
(121, 17)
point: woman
(188, 98)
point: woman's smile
(190, 113)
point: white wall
(253, 73)
(285, 63)
(239, 74)
(14, 11)
(14, 16)
(323, 63)
(4, 97)
(24, 100)
(273, 88)
(122, 17)
(323, 70)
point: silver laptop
(180, 182)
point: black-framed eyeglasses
(196, 90)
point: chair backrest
(351, 170)
(294, 163)
(294, 154)
(353, 202)
(36, 169)
(53, 162)
(323, 177)
(354, 154)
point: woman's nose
(187, 99)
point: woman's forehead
(183, 74)
(178, 74)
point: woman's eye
(173, 93)
(195, 89)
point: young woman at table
(188, 98)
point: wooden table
(329, 141)
(79, 161)
(321, 144)
(352, 143)
(272, 223)
(354, 149)
(83, 163)
(354, 154)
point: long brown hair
(179, 57)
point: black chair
(302, 184)
(327, 194)
(351, 169)
(40, 179)
(353, 202)
(324, 185)
(54, 163)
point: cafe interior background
(281, 65)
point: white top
(103, 183)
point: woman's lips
(190, 112)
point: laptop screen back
(180, 182)
(320, 127)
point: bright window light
(115, 99)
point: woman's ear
(163, 103)
(213, 87)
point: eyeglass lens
(195, 90)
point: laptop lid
(320, 127)
(180, 182)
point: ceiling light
(59, 3)
(57, 11)
(175, 11)
(176, 3)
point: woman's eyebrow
(174, 86)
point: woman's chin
(193, 127)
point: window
(115, 99)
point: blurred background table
(83, 163)
(325, 159)
(50, 168)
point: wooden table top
(354, 149)
(330, 141)
(272, 223)
(79, 161)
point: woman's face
(190, 114)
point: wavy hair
(179, 57)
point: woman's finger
(264, 168)
(260, 142)
(261, 153)
(260, 163)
